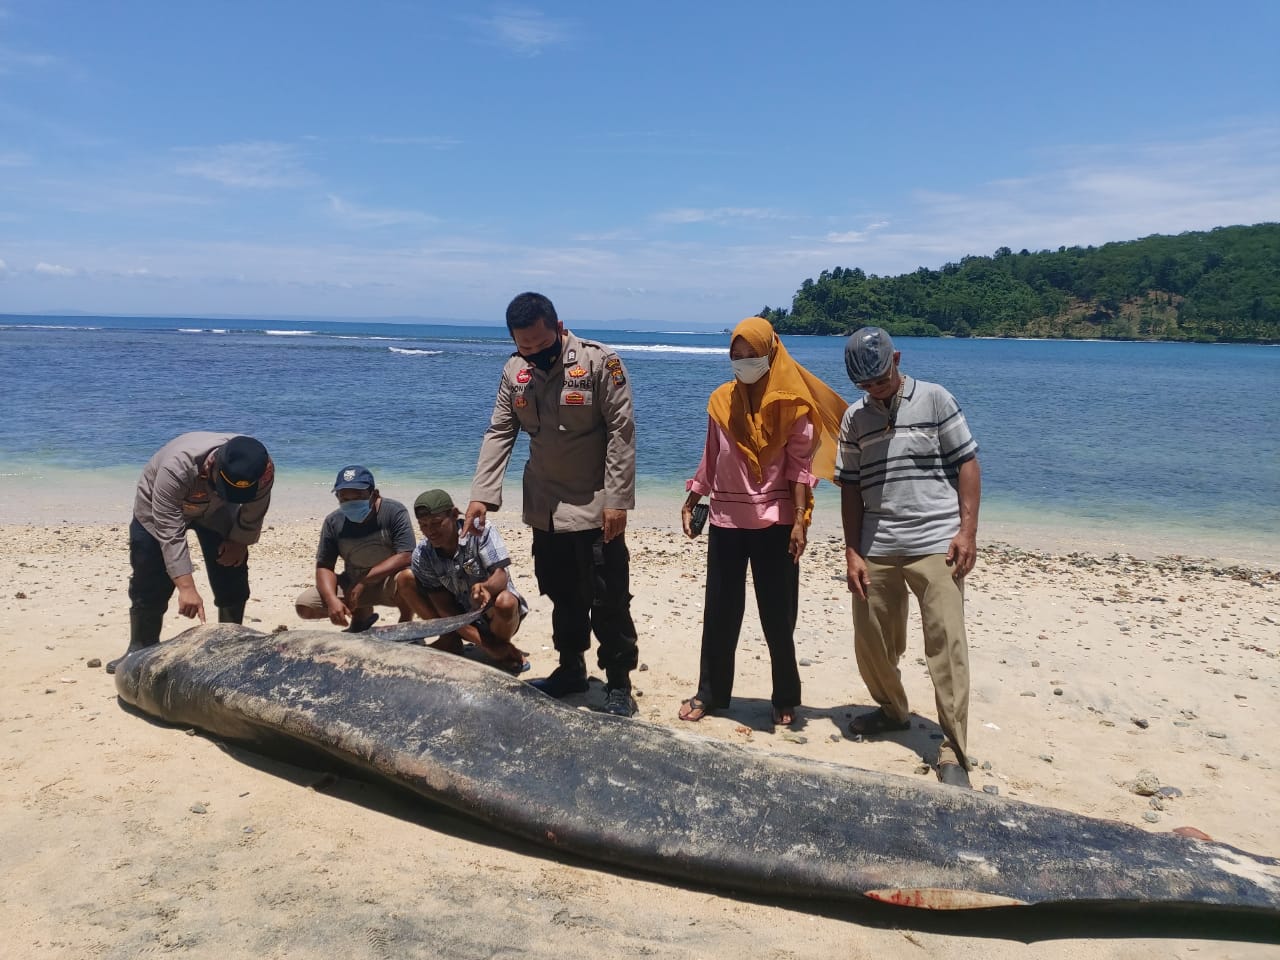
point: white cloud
(256, 165)
(659, 267)
(434, 143)
(54, 270)
(1096, 194)
(12, 60)
(681, 215)
(355, 215)
(523, 31)
(856, 236)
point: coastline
(38, 494)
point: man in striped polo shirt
(910, 489)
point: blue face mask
(357, 511)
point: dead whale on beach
(664, 801)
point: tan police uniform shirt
(582, 440)
(176, 491)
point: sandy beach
(124, 838)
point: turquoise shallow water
(1174, 437)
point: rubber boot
(144, 631)
(231, 614)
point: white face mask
(750, 369)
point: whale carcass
(659, 800)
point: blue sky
(670, 162)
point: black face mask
(545, 358)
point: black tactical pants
(150, 587)
(588, 582)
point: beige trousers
(880, 640)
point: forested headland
(1214, 285)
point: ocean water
(1179, 437)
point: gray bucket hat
(868, 354)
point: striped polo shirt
(477, 557)
(907, 470)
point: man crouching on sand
(451, 574)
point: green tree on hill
(1221, 284)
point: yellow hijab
(759, 416)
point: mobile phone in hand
(698, 519)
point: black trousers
(777, 583)
(150, 587)
(589, 584)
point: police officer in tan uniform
(572, 398)
(217, 484)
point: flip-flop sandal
(875, 723)
(693, 705)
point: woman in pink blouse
(771, 434)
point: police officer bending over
(217, 484)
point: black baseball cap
(242, 463)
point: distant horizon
(669, 326)
(656, 326)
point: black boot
(231, 614)
(569, 677)
(144, 631)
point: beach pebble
(94, 663)
(1057, 691)
(1151, 816)
(1140, 722)
(1047, 758)
(1035, 663)
(1146, 784)
(1156, 802)
(643, 667)
(790, 737)
(986, 764)
(1027, 693)
(990, 788)
(806, 662)
(1216, 734)
(19, 595)
(198, 808)
(922, 768)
